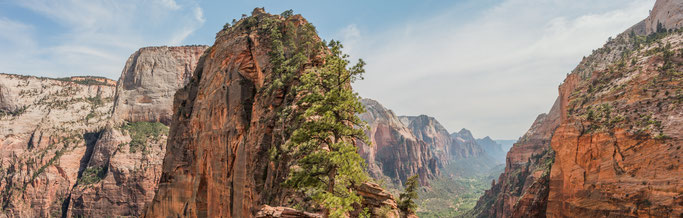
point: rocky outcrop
(48, 127)
(616, 149)
(395, 153)
(522, 189)
(149, 80)
(217, 161)
(609, 146)
(122, 173)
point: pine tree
(328, 165)
(407, 199)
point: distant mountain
(506, 144)
(493, 149)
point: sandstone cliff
(225, 154)
(149, 80)
(124, 168)
(609, 146)
(65, 153)
(48, 128)
(395, 152)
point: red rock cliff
(610, 146)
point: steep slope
(122, 173)
(609, 145)
(429, 130)
(48, 127)
(464, 145)
(617, 146)
(395, 152)
(150, 78)
(225, 154)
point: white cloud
(96, 37)
(492, 73)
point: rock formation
(65, 153)
(122, 173)
(48, 127)
(395, 152)
(464, 145)
(610, 145)
(149, 80)
(224, 155)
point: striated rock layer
(395, 152)
(610, 147)
(48, 128)
(124, 168)
(150, 79)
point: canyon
(202, 131)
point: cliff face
(609, 145)
(67, 153)
(522, 189)
(616, 149)
(122, 172)
(150, 78)
(395, 152)
(48, 127)
(464, 145)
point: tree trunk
(330, 188)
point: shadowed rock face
(395, 152)
(150, 79)
(609, 146)
(130, 151)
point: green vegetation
(458, 189)
(407, 199)
(328, 164)
(92, 175)
(140, 132)
(87, 80)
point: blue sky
(487, 65)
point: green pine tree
(407, 199)
(328, 164)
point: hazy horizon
(488, 66)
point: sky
(490, 66)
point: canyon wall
(610, 145)
(69, 150)
(395, 153)
(48, 128)
(122, 173)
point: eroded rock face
(395, 153)
(123, 171)
(609, 146)
(48, 128)
(464, 145)
(616, 149)
(430, 131)
(150, 79)
(217, 161)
